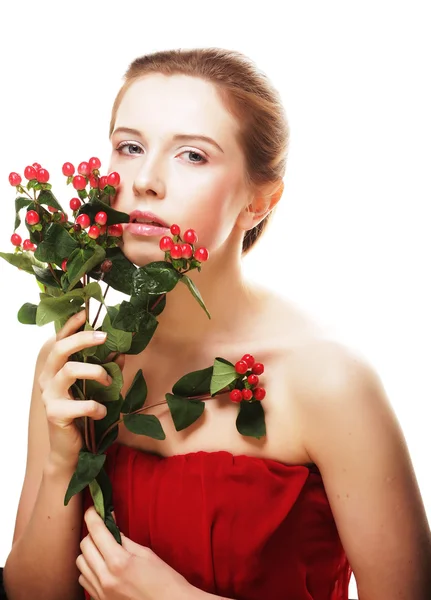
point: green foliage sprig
(69, 258)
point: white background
(350, 242)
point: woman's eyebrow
(180, 137)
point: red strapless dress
(241, 527)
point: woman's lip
(144, 229)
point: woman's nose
(149, 182)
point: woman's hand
(128, 572)
(55, 380)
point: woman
(200, 139)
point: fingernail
(99, 335)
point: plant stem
(87, 439)
(53, 274)
(135, 412)
(100, 307)
(157, 302)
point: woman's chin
(141, 256)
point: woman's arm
(354, 438)
(41, 564)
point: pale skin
(324, 404)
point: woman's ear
(262, 204)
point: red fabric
(241, 527)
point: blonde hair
(246, 92)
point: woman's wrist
(57, 465)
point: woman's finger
(66, 346)
(71, 325)
(71, 371)
(62, 411)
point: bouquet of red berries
(70, 257)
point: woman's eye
(195, 157)
(134, 148)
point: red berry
(79, 182)
(201, 254)
(241, 367)
(247, 394)
(42, 176)
(175, 230)
(52, 209)
(94, 232)
(94, 163)
(16, 239)
(75, 203)
(235, 395)
(166, 243)
(63, 217)
(176, 251)
(30, 173)
(93, 181)
(36, 166)
(106, 266)
(64, 265)
(14, 179)
(101, 218)
(113, 179)
(32, 218)
(253, 379)
(190, 236)
(77, 227)
(27, 245)
(83, 220)
(115, 230)
(249, 359)
(103, 182)
(187, 250)
(259, 393)
(68, 169)
(84, 168)
(258, 369)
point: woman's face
(191, 182)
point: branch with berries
(69, 257)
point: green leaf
(91, 351)
(184, 412)
(48, 198)
(129, 317)
(156, 278)
(195, 292)
(46, 277)
(251, 419)
(92, 207)
(145, 425)
(224, 374)
(113, 528)
(103, 393)
(116, 340)
(195, 383)
(101, 425)
(92, 290)
(136, 394)
(87, 469)
(142, 338)
(27, 314)
(62, 307)
(31, 183)
(20, 202)
(57, 245)
(22, 260)
(97, 495)
(81, 261)
(121, 274)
